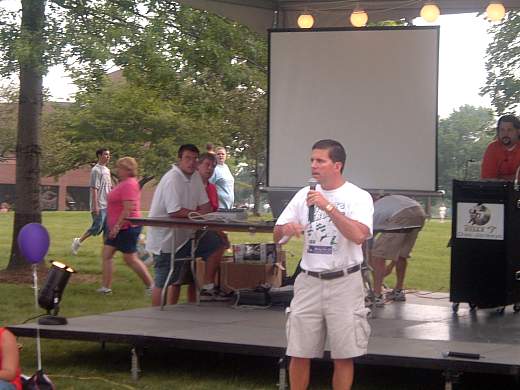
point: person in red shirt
(206, 167)
(502, 156)
(9, 362)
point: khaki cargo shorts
(392, 246)
(327, 309)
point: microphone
(466, 166)
(312, 185)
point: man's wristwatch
(329, 208)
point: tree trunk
(28, 146)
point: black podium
(485, 245)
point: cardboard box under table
(235, 276)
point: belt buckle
(332, 275)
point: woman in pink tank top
(9, 362)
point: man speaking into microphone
(335, 217)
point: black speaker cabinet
(485, 245)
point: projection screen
(374, 90)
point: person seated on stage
(9, 362)
(502, 156)
(180, 192)
(206, 167)
(394, 211)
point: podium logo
(479, 215)
(481, 221)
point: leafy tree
(190, 77)
(463, 137)
(129, 120)
(8, 115)
(77, 33)
(503, 65)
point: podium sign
(484, 221)
(485, 251)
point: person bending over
(394, 211)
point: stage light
(305, 20)
(358, 18)
(49, 297)
(430, 12)
(495, 12)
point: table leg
(164, 291)
(366, 269)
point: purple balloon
(33, 241)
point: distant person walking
(100, 185)
(223, 180)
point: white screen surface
(373, 90)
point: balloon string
(38, 345)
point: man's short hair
(99, 152)
(208, 156)
(220, 148)
(336, 150)
(510, 119)
(190, 147)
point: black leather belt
(328, 275)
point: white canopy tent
(261, 15)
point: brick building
(69, 192)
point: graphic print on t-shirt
(322, 234)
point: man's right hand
(292, 229)
(96, 211)
(282, 233)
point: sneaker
(374, 300)
(396, 295)
(212, 295)
(379, 301)
(104, 290)
(76, 243)
(208, 294)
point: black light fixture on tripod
(50, 295)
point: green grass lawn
(83, 365)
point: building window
(78, 198)
(49, 197)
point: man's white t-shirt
(325, 248)
(100, 180)
(174, 192)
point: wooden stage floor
(411, 334)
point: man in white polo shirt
(179, 192)
(328, 294)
